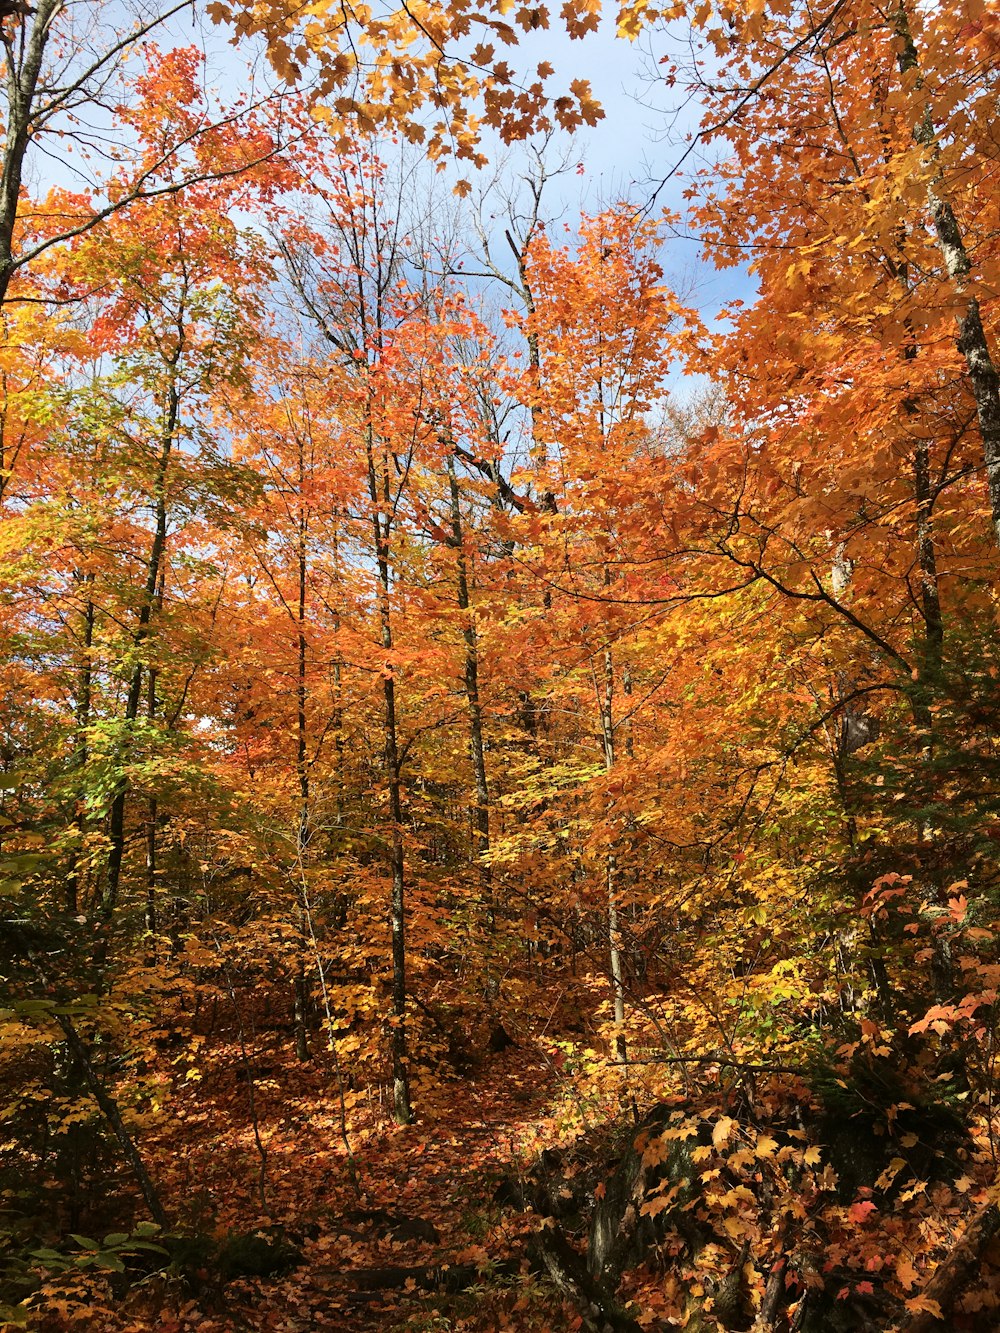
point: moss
(257, 1254)
(264, 1254)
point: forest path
(425, 1221)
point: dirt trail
(425, 1223)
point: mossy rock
(264, 1254)
(861, 1134)
(620, 1235)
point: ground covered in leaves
(383, 1251)
(299, 1205)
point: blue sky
(625, 155)
(640, 140)
(643, 134)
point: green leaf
(22, 861)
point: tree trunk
(303, 833)
(81, 712)
(151, 821)
(23, 69)
(953, 1274)
(930, 600)
(971, 341)
(109, 1109)
(116, 823)
(470, 678)
(614, 933)
(379, 490)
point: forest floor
(294, 1210)
(419, 1243)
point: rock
(620, 1235)
(414, 1228)
(552, 1253)
(267, 1253)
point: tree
(61, 64)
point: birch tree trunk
(972, 341)
(614, 932)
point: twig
(715, 1060)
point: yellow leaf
(722, 1130)
(924, 1305)
(907, 1274)
(653, 1206)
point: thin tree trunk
(109, 1109)
(116, 823)
(338, 702)
(614, 932)
(627, 691)
(81, 711)
(151, 813)
(25, 49)
(520, 253)
(930, 600)
(303, 832)
(470, 679)
(381, 499)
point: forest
(499, 762)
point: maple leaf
(924, 1305)
(722, 1130)
(906, 1273)
(653, 1207)
(656, 1151)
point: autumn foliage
(499, 788)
